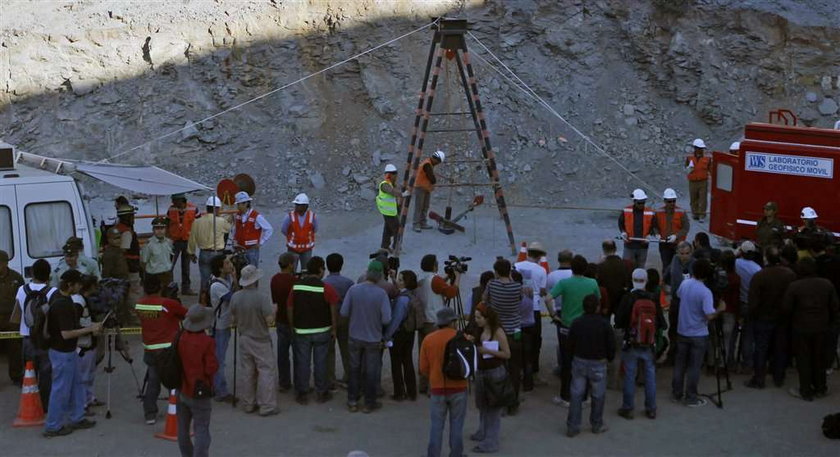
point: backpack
(222, 300)
(168, 364)
(643, 323)
(831, 426)
(416, 314)
(36, 310)
(460, 360)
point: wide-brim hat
(199, 318)
(536, 246)
(250, 274)
(445, 316)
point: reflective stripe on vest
(676, 222)
(301, 238)
(629, 223)
(310, 331)
(247, 233)
(385, 202)
(142, 307)
(304, 288)
(155, 347)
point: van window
(48, 225)
(724, 177)
(6, 239)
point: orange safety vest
(647, 221)
(180, 223)
(301, 236)
(701, 167)
(422, 181)
(676, 222)
(247, 233)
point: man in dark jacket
(592, 344)
(813, 306)
(767, 290)
(632, 353)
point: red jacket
(198, 360)
(160, 319)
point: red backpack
(643, 323)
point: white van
(39, 211)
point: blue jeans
(222, 337)
(87, 373)
(690, 353)
(285, 342)
(67, 397)
(631, 358)
(456, 406)
(43, 369)
(369, 354)
(253, 256)
(303, 258)
(150, 396)
(591, 373)
(204, 258)
(195, 411)
(313, 347)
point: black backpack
(831, 426)
(36, 309)
(168, 364)
(460, 361)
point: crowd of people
(753, 309)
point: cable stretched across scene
(271, 92)
(525, 88)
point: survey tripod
(115, 342)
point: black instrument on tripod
(721, 367)
(451, 267)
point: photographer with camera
(390, 266)
(433, 291)
(160, 318)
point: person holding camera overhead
(433, 291)
(160, 318)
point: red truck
(790, 165)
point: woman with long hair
(400, 336)
(493, 350)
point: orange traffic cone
(523, 252)
(170, 431)
(544, 264)
(30, 411)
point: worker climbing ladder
(449, 42)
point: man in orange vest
(181, 216)
(636, 223)
(673, 226)
(698, 166)
(160, 319)
(300, 227)
(424, 184)
(250, 229)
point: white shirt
(538, 278)
(20, 299)
(553, 278)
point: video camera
(393, 262)
(238, 259)
(455, 264)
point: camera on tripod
(393, 262)
(455, 264)
(238, 259)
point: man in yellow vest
(387, 202)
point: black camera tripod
(457, 305)
(720, 361)
(115, 341)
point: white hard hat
(639, 194)
(242, 197)
(837, 125)
(301, 199)
(698, 143)
(439, 155)
(390, 168)
(808, 213)
(735, 146)
(669, 194)
(214, 202)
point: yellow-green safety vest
(385, 202)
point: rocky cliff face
(88, 80)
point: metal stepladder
(449, 41)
